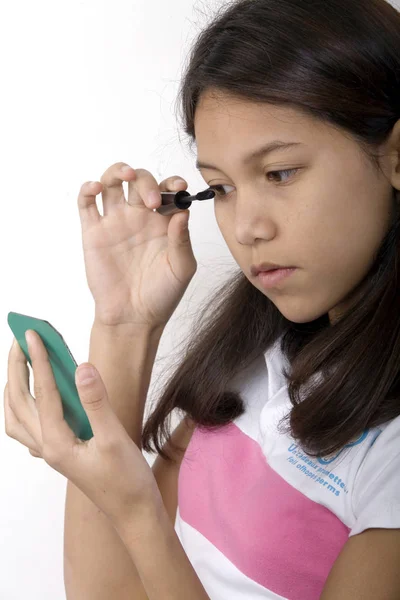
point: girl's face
(328, 218)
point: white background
(83, 85)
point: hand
(138, 263)
(109, 468)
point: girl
(289, 485)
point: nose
(253, 220)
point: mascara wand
(172, 202)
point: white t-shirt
(260, 519)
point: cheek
(224, 221)
(341, 248)
(226, 225)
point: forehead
(222, 118)
(217, 107)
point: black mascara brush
(172, 202)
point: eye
(291, 172)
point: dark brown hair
(338, 61)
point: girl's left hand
(109, 468)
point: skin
(328, 219)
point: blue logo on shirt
(362, 437)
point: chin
(296, 312)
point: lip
(264, 267)
(273, 279)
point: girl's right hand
(138, 263)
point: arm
(368, 568)
(96, 563)
(163, 566)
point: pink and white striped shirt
(260, 519)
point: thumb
(180, 251)
(94, 398)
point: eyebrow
(266, 149)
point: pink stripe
(272, 532)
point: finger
(112, 191)
(13, 426)
(21, 402)
(146, 185)
(88, 211)
(18, 372)
(180, 251)
(141, 189)
(107, 428)
(173, 184)
(37, 454)
(55, 431)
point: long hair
(338, 61)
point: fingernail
(126, 168)
(86, 375)
(179, 182)
(153, 198)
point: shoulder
(367, 568)
(376, 495)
